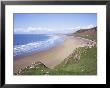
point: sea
(26, 44)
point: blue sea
(25, 44)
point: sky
(50, 23)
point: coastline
(25, 47)
(51, 57)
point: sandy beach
(53, 56)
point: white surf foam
(37, 46)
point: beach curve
(53, 56)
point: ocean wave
(37, 46)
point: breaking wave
(37, 46)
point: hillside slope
(87, 33)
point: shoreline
(35, 52)
(51, 42)
(51, 57)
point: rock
(42, 70)
(47, 72)
(82, 70)
(37, 67)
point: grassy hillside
(86, 64)
(87, 33)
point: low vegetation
(87, 33)
(83, 61)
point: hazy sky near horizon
(49, 23)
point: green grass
(87, 65)
(37, 70)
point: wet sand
(51, 57)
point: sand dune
(51, 57)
